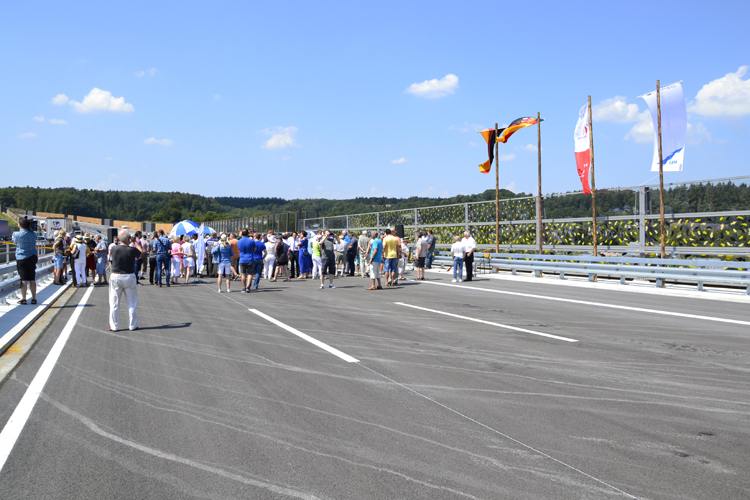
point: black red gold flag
(489, 136)
(516, 125)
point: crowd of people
(379, 257)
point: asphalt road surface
(228, 396)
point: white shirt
(457, 249)
(469, 244)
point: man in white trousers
(122, 280)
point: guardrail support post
(623, 281)
(700, 286)
(562, 276)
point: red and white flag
(583, 153)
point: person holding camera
(26, 258)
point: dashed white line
(306, 337)
(598, 304)
(15, 425)
(476, 320)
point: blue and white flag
(673, 126)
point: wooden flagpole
(661, 169)
(593, 179)
(497, 196)
(539, 194)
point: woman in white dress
(269, 262)
(188, 259)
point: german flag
(516, 125)
(489, 136)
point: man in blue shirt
(258, 252)
(246, 247)
(163, 249)
(375, 258)
(26, 259)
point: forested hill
(172, 207)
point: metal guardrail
(678, 270)
(10, 282)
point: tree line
(172, 207)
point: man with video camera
(26, 257)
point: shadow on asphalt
(166, 327)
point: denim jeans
(430, 256)
(162, 259)
(257, 271)
(458, 267)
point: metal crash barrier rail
(678, 270)
(10, 282)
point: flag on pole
(489, 136)
(673, 127)
(516, 125)
(582, 148)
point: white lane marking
(20, 415)
(8, 337)
(524, 330)
(600, 304)
(301, 335)
(491, 429)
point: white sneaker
(453, 281)
(460, 280)
(219, 291)
(321, 287)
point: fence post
(416, 222)
(466, 216)
(642, 218)
(347, 223)
(377, 221)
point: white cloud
(697, 134)
(109, 158)
(57, 121)
(163, 142)
(615, 110)
(217, 97)
(507, 157)
(433, 89)
(643, 131)
(473, 144)
(27, 135)
(400, 160)
(101, 100)
(108, 183)
(281, 137)
(38, 118)
(431, 192)
(466, 127)
(528, 147)
(728, 96)
(511, 186)
(286, 158)
(376, 193)
(60, 99)
(141, 74)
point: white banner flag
(673, 127)
(582, 151)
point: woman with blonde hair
(188, 259)
(176, 259)
(223, 250)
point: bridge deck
(210, 400)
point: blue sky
(311, 99)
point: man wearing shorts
(328, 258)
(391, 252)
(246, 247)
(26, 258)
(422, 247)
(374, 259)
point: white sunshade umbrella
(184, 227)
